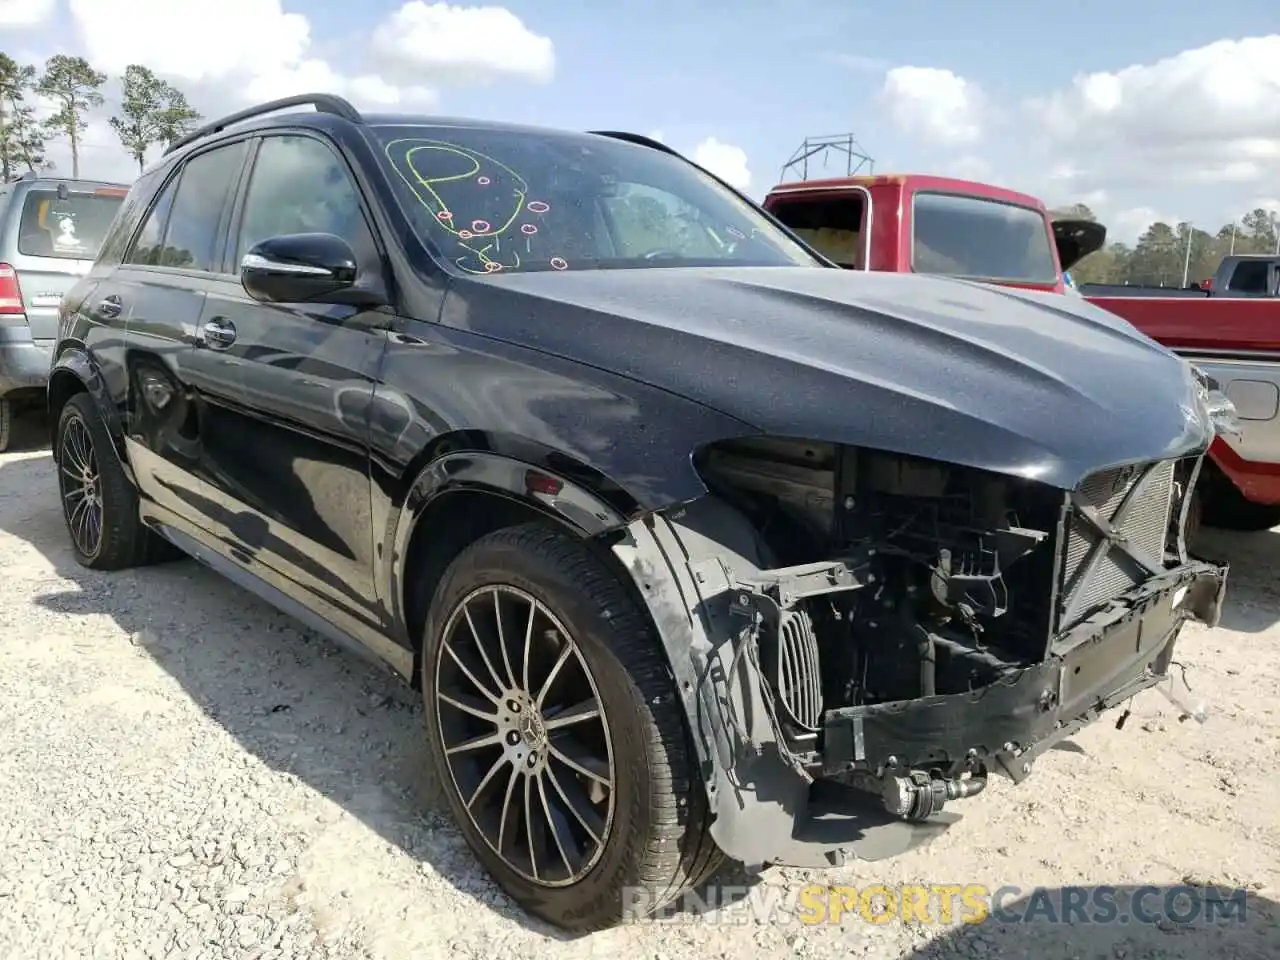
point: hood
(1032, 384)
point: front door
(299, 480)
(173, 413)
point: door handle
(109, 307)
(218, 333)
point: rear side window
(71, 228)
(1249, 276)
(127, 218)
(196, 218)
(834, 226)
(149, 247)
(965, 236)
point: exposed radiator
(1146, 526)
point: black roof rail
(636, 138)
(24, 175)
(323, 102)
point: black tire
(124, 541)
(6, 424)
(1227, 509)
(659, 842)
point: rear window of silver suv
(71, 226)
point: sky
(1141, 110)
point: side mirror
(300, 268)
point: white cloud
(443, 43)
(936, 105)
(25, 13)
(1210, 115)
(193, 40)
(726, 161)
(225, 54)
(1127, 225)
(253, 50)
(101, 156)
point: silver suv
(50, 232)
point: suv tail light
(12, 310)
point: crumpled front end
(862, 638)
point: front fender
(536, 487)
(686, 563)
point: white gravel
(186, 773)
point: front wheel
(554, 725)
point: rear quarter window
(70, 229)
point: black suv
(695, 544)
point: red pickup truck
(925, 224)
(1231, 331)
(963, 228)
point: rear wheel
(555, 728)
(99, 504)
(6, 423)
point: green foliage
(152, 111)
(76, 87)
(1161, 255)
(21, 137)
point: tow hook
(919, 796)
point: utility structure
(846, 147)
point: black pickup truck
(1239, 275)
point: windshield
(71, 228)
(498, 199)
(966, 236)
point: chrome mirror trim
(253, 261)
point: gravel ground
(186, 773)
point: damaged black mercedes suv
(696, 545)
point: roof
(914, 181)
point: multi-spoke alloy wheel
(525, 735)
(99, 501)
(81, 485)
(555, 730)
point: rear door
(172, 407)
(52, 235)
(299, 484)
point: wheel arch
(75, 372)
(678, 563)
(460, 495)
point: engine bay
(891, 578)
(957, 566)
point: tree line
(1165, 252)
(152, 111)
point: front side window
(980, 238)
(493, 200)
(299, 185)
(71, 226)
